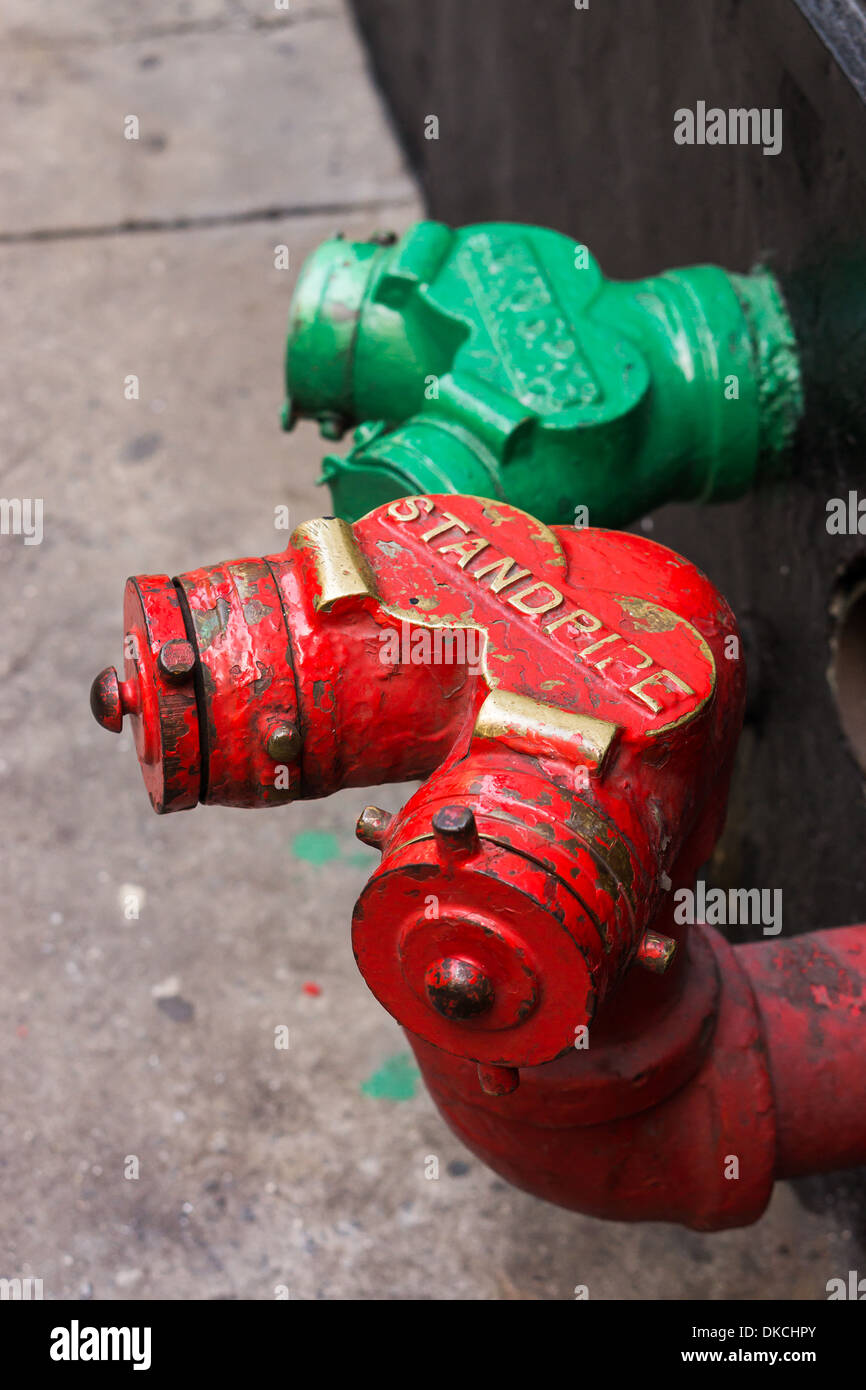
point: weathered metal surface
(779, 1091)
(812, 997)
(157, 693)
(526, 885)
(497, 359)
(245, 682)
(656, 1157)
(561, 759)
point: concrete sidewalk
(145, 963)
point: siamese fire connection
(520, 925)
(497, 359)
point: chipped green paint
(316, 846)
(396, 1079)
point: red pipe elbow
(780, 1091)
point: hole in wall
(847, 673)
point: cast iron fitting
(750, 1071)
(573, 699)
(496, 359)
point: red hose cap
(157, 693)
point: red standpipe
(577, 747)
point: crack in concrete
(236, 21)
(202, 221)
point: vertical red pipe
(811, 994)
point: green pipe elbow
(497, 360)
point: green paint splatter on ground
(316, 846)
(396, 1079)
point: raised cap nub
(455, 830)
(458, 988)
(111, 699)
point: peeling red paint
(574, 779)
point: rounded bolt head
(105, 700)
(455, 829)
(176, 659)
(458, 989)
(372, 826)
(656, 952)
(284, 743)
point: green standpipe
(497, 360)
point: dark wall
(565, 117)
